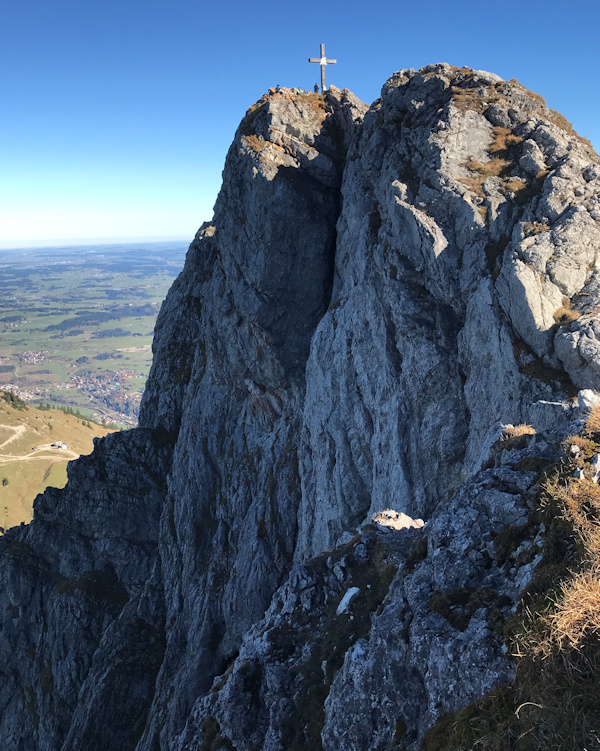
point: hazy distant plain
(76, 323)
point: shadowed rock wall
(372, 303)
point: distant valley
(76, 323)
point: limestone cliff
(378, 295)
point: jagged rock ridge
(378, 294)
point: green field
(76, 323)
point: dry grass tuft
(474, 184)
(514, 185)
(503, 140)
(554, 702)
(588, 447)
(466, 71)
(500, 136)
(534, 228)
(466, 96)
(532, 94)
(513, 437)
(559, 120)
(577, 614)
(512, 431)
(503, 160)
(250, 116)
(512, 140)
(254, 142)
(580, 500)
(573, 619)
(592, 424)
(564, 316)
(316, 102)
(494, 168)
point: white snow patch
(346, 600)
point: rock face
(379, 295)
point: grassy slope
(29, 473)
(554, 637)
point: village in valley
(108, 389)
(76, 325)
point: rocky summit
(390, 323)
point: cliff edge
(382, 295)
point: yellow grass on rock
(577, 614)
(592, 424)
(512, 431)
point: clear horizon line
(76, 241)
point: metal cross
(323, 61)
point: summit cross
(323, 61)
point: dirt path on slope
(18, 432)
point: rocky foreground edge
(381, 292)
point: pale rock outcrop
(379, 294)
(395, 520)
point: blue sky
(116, 115)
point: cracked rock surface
(380, 293)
